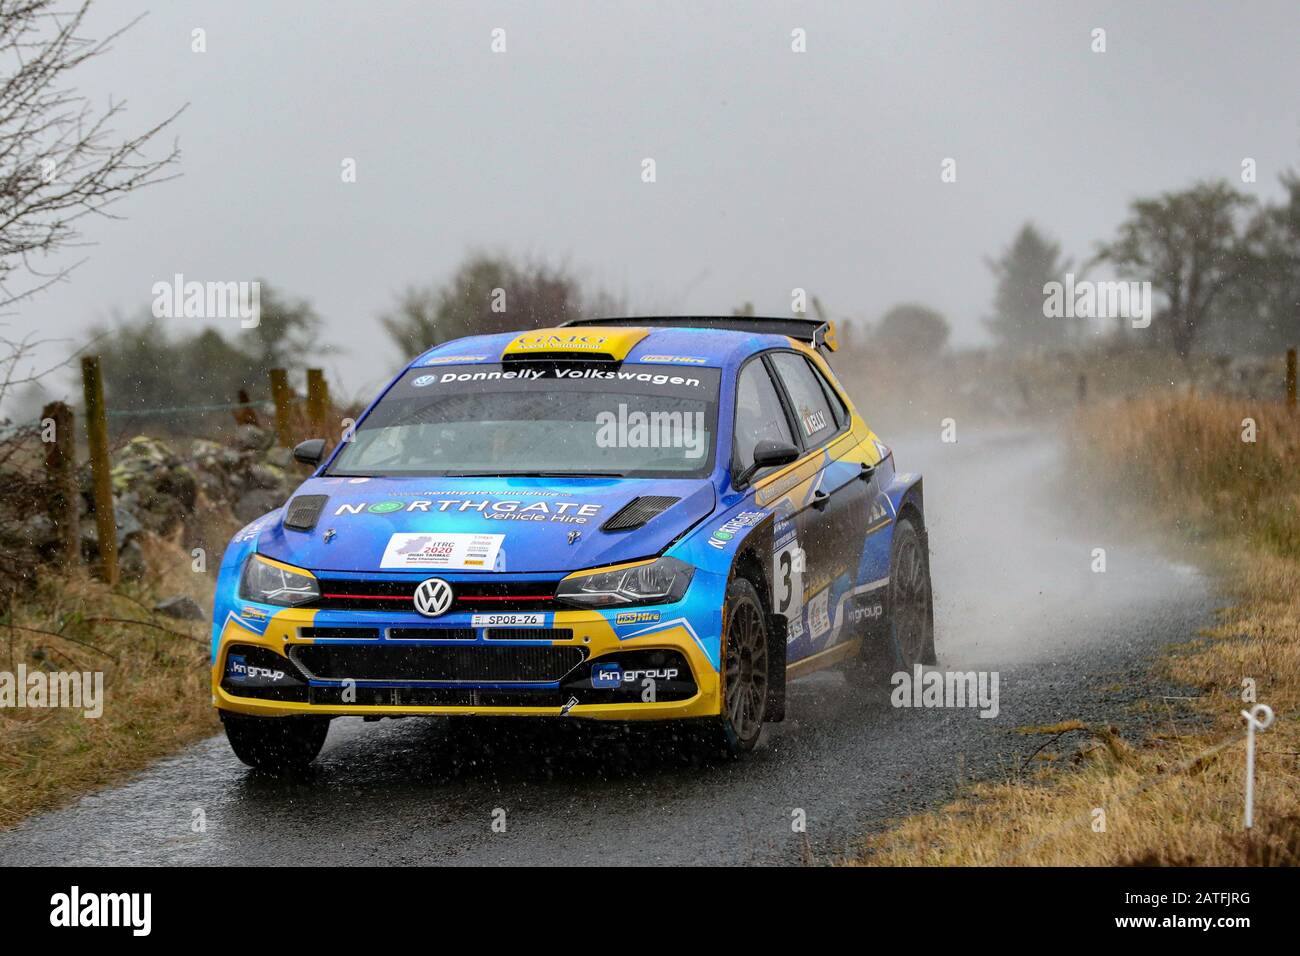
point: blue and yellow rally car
(623, 519)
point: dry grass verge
(1177, 798)
(156, 697)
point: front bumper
(286, 661)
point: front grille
(431, 633)
(349, 595)
(436, 662)
(340, 633)
(528, 634)
(432, 696)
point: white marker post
(1259, 717)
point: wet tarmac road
(1015, 593)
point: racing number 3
(783, 575)
(789, 579)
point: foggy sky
(775, 170)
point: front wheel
(746, 670)
(275, 744)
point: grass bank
(1182, 468)
(155, 679)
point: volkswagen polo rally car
(622, 519)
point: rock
(123, 516)
(252, 438)
(265, 476)
(203, 450)
(130, 561)
(39, 531)
(153, 485)
(279, 457)
(212, 484)
(181, 607)
(253, 504)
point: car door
(832, 519)
(762, 413)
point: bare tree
(1191, 247)
(60, 159)
(488, 293)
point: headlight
(271, 583)
(659, 582)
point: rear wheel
(746, 671)
(911, 607)
(906, 637)
(276, 744)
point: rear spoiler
(816, 332)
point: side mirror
(768, 453)
(310, 452)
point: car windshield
(540, 418)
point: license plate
(507, 620)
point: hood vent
(302, 513)
(638, 511)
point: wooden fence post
(61, 469)
(318, 403)
(97, 437)
(1290, 378)
(282, 396)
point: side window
(832, 396)
(811, 410)
(759, 413)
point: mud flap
(776, 646)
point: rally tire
(910, 634)
(276, 744)
(746, 670)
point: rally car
(622, 519)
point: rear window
(540, 418)
(817, 422)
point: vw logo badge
(433, 597)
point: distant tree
(147, 363)
(1018, 321)
(487, 294)
(62, 160)
(1192, 247)
(1262, 312)
(288, 331)
(911, 330)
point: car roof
(707, 347)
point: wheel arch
(910, 508)
(751, 564)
